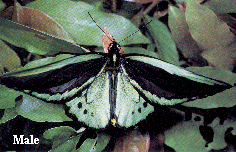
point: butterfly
(111, 87)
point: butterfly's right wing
(166, 84)
(130, 107)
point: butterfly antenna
(96, 23)
(135, 32)
(98, 26)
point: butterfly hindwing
(131, 108)
(167, 84)
(93, 107)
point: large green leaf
(218, 6)
(221, 6)
(2, 5)
(181, 35)
(74, 18)
(64, 138)
(33, 40)
(7, 97)
(128, 50)
(10, 113)
(186, 136)
(9, 60)
(37, 110)
(102, 141)
(95, 145)
(163, 40)
(43, 65)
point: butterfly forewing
(167, 84)
(56, 81)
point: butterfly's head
(114, 47)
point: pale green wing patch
(131, 108)
(93, 107)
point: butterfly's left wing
(167, 84)
(55, 79)
(81, 82)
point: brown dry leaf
(133, 142)
(106, 40)
(36, 19)
(7, 13)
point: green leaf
(61, 131)
(9, 60)
(140, 51)
(7, 97)
(212, 35)
(180, 32)
(49, 63)
(152, 48)
(37, 110)
(217, 73)
(163, 40)
(2, 5)
(102, 141)
(34, 41)
(42, 65)
(88, 145)
(221, 6)
(69, 145)
(95, 145)
(186, 136)
(74, 18)
(64, 138)
(10, 113)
